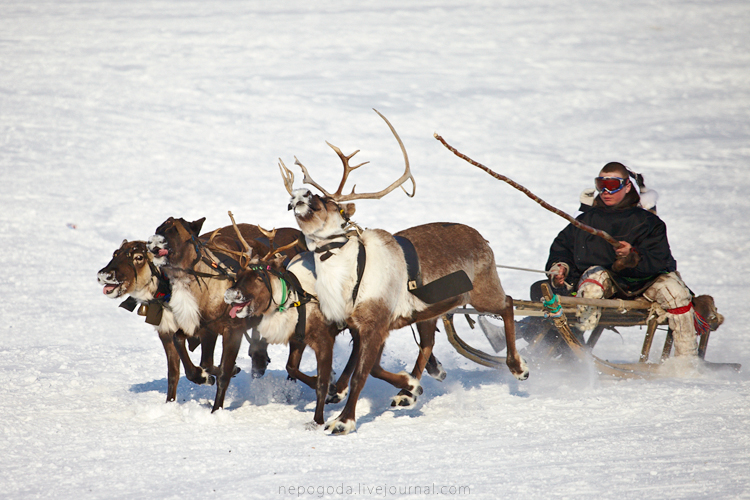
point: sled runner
(615, 313)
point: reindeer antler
(337, 196)
(239, 234)
(288, 177)
(273, 251)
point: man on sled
(587, 266)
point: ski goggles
(609, 184)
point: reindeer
(200, 271)
(132, 272)
(283, 297)
(373, 298)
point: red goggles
(609, 184)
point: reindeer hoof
(522, 371)
(312, 426)
(260, 363)
(339, 428)
(202, 378)
(406, 399)
(336, 397)
(436, 370)
(236, 370)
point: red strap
(590, 281)
(681, 310)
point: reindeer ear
(123, 242)
(196, 225)
(277, 261)
(347, 210)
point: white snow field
(116, 115)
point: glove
(559, 272)
(628, 262)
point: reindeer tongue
(236, 308)
(233, 311)
(108, 289)
(163, 252)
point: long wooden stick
(579, 225)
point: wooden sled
(622, 313)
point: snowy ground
(116, 115)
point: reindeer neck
(148, 292)
(199, 263)
(332, 228)
(283, 295)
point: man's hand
(560, 272)
(627, 257)
(624, 249)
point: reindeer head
(252, 293)
(173, 239)
(322, 216)
(130, 272)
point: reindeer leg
(258, 352)
(324, 356)
(409, 385)
(195, 374)
(488, 296)
(232, 339)
(426, 331)
(338, 392)
(435, 369)
(371, 342)
(296, 349)
(173, 365)
(208, 346)
(407, 397)
(515, 362)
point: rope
(552, 312)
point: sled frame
(615, 313)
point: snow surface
(117, 115)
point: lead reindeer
(199, 280)
(362, 274)
(131, 272)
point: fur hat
(649, 197)
(587, 196)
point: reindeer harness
(154, 308)
(442, 288)
(288, 281)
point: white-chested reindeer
(370, 294)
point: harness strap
(412, 262)
(326, 249)
(361, 262)
(283, 294)
(299, 328)
(154, 308)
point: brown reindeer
(283, 297)
(373, 298)
(131, 272)
(286, 313)
(200, 271)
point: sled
(615, 313)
